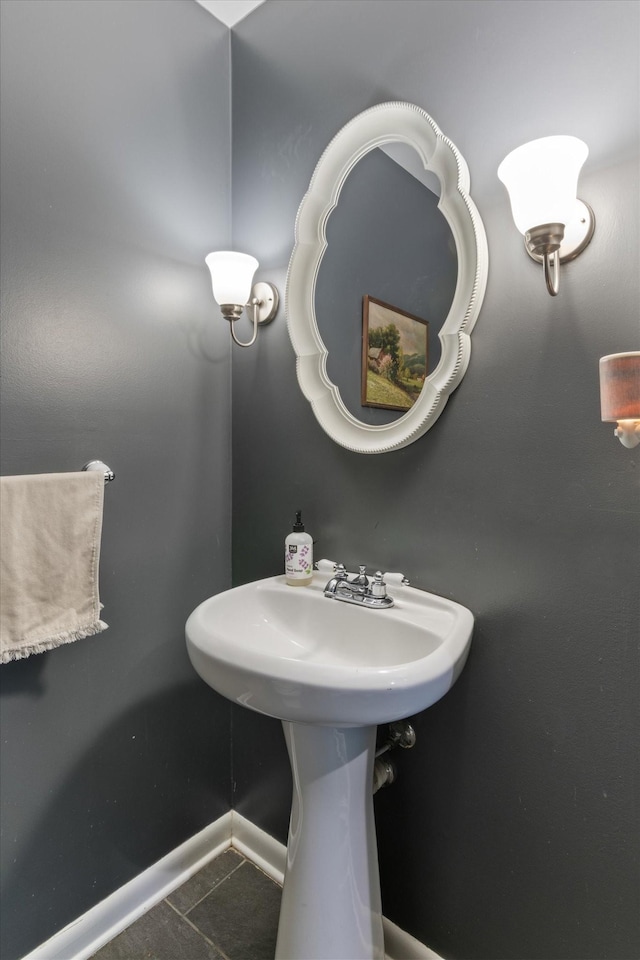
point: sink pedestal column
(331, 906)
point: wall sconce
(620, 395)
(541, 178)
(231, 279)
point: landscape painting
(394, 356)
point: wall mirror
(389, 242)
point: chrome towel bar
(98, 465)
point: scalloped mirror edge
(385, 123)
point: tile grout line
(256, 865)
(218, 883)
(185, 916)
(214, 887)
(197, 930)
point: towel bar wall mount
(99, 466)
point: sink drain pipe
(401, 734)
(384, 773)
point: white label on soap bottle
(298, 560)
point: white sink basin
(294, 654)
(331, 671)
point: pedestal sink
(331, 672)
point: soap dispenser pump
(298, 555)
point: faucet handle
(330, 566)
(378, 587)
(361, 580)
(397, 578)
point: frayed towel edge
(41, 646)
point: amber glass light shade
(620, 387)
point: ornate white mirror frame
(385, 123)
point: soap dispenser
(298, 555)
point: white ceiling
(230, 11)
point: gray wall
(115, 184)
(512, 831)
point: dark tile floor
(227, 911)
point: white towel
(50, 529)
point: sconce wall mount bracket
(264, 301)
(569, 241)
(265, 298)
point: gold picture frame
(395, 352)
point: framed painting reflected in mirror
(394, 355)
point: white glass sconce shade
(231, 276)
(233, 290)
(620, 395)
(542, 180)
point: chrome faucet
(361, 590)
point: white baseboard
(259, 847)
(83, 937)
(86, 935)
(400, 945)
